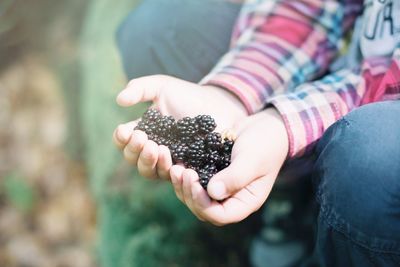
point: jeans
(357, 168)
(357, 180)
(181, 38)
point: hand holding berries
(178, 98)
(257, 156)
(240, 189)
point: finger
(117, 142)
(148, 160)
(232, 179)
(141, 90)
(122, 134)
(164, 162)
(135, 146)
(200, 200)
(190, 179)
(241, 205)
(176, 172)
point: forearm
(278, 45)
(313, 107)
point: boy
(281, 89)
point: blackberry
(142, 126)
(154, 138)
(157, 127)
(151, 115)
(194, 163)
(205, 175)
(149, 127)
(178, 152)
(204, 178)
(196, 153)
(210, 168)
(213, 157)
(213, 141)
(161, 140)
(185, 139)
(187, 127)
(206, 124)
(165, 125)
(190, 166)
(227, 146)
(197, 146)
(224, 162)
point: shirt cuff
(304, 123)
(238, 87)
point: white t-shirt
(380, 33)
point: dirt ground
(47, 216)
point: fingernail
(217, 190)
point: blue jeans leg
(357, 176)
(180, 38)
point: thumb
(232, 179)
(141, 90)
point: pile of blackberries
(192, 142)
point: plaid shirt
(280, 55)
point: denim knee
(146, 25)
(358, 176)
(176, 37)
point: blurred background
(66, 196)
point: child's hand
(258, 154)
(174, 97)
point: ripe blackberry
(197, 146)
(205, 175)
(194, 163)
(206, 124)
(204, 179)
(213, 141)
(186, 127)
(151, 115)
(189, 166)
(178, 152)
(213, 157)
(196, 153)
(227, 146)
(161, 140)
(210, 168)
(224, 162)
(142, 126)
(154, 138)
(165, 125)
(149, 127)
(185, 139)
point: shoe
(287, 236)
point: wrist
(277, 123)
(224, 97)
(275, 128)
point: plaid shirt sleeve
(279, 47)
(313, 107)
(280, 44)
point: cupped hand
(239, 190)
(175, 97)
